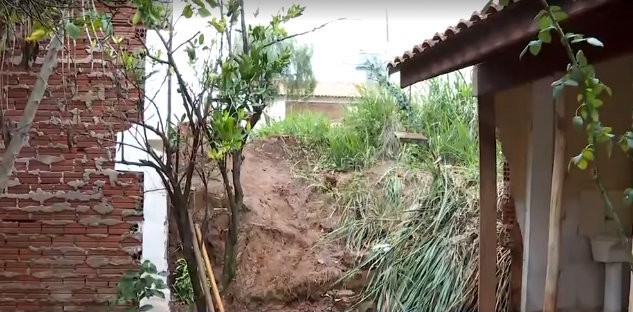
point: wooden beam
(488, 39)
(505, 70)
(487, 204)
(408, 137)
(556, 210)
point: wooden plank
(200, 265)
(487, 204)
(408, 137)
(207, 263)
(556, 210)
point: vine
(581, 74)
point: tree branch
(302, 33)
(32, 104)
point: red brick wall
(69, 222)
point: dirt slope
(280, 265)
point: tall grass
(364, 134)
(417, 223)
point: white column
(612, 287)
(539, 176)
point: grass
(417, 223)
(364, 135)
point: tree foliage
(232, 88)
(298, 78)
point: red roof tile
(450, 32)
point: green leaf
(136, 19)
(212, 3)
(577, 122)
(219, 25)
(558, 13)
(72, 30)
(587, 154)
(557, 88)
(580, 57)
(545, 36)
(582, 164)
(596, 102)
(201, 39)
(595, 42)
(187, 11)
(543, 20)
(535, 46)
(570, 82)
(203, 12)
(191, 53)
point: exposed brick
(58, 253)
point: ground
(282, 264)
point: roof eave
(481, 41)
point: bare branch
(303, 33)
(32, 104)
(185, 42)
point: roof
(495, 33)
(451, 31)
(332, 90)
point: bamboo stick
(207, 262)
(556, 214)
(200, 264)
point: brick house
(69, 222)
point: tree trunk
(228, 271)
(33, 102)
(180, 214)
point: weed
(182, 283)
(144, 283)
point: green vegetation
(415, 219)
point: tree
(232, 89)
(298, 78)
(377, 72)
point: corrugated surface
(448, 34)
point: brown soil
(281, 265)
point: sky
(365, 28)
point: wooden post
(200, 264)
(487, 204)
(556, 209)
(207, 263)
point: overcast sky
(336, 46)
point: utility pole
(386, 32)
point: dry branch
(24, 126)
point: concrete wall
(581, 279)
(333, 108)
